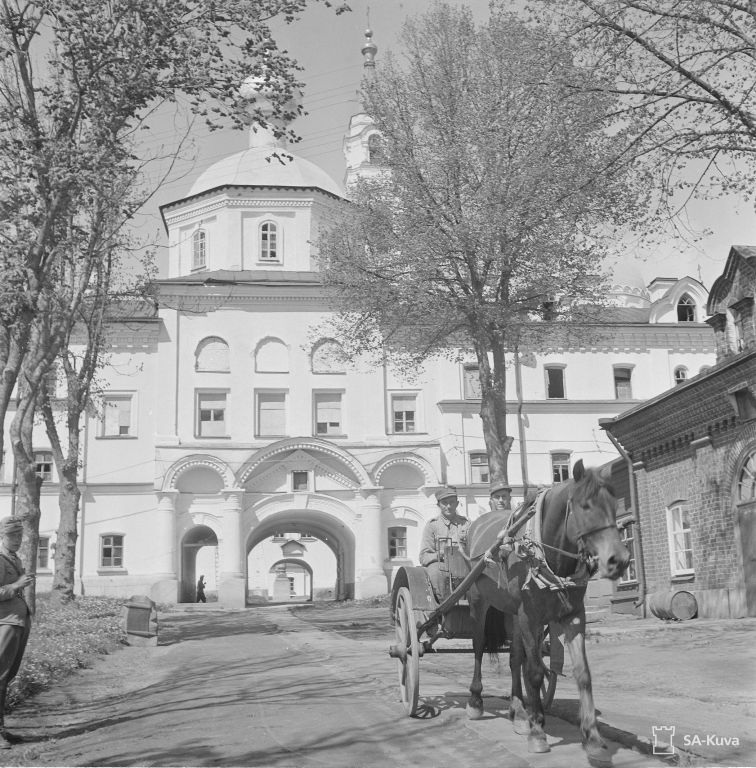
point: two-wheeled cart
(421, 619)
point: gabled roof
(738, 256)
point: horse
(579, 534)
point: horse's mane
(591, 485)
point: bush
(65, 638)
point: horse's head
(594, 515)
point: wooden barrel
(678, 606)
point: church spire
(369, 49)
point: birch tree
(488, 228)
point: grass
(65, 638)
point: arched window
(269, 246)
(199, 249)
(328, 357)
(272, 356)
(686, 309)
(375, 149)
(747, 480)
(212, 355)
(681, 374)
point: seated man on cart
(448, 529)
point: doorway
(199, 556)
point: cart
(421, 620)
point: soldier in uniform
(15, 618)
(448, 525)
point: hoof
(598, 755)
(538, 744)
(474, 713)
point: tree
(78, 82)
(497, 200)
(686, 73)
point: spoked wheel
(408, 660)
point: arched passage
(329, 548)
(199, 555)
(291, 579)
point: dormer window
(269, 245)
(199, 249)
(681, 374)
(686, 310)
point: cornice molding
(234, 202)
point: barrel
(678, 606)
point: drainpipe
(83, 502)
(521, 424)
(641, 601)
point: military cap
(446, 493)
(500, 486)
(11, 525)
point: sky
(328, 47)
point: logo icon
(663, 735)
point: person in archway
(201, 590)
(15, 617)
(448, 525)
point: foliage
(686, 71)
(496, 208)
(65, 638)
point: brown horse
(579, 534)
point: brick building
(691, 452)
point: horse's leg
(478, 608)
(595, 747)
(532, 639)
(517, 713)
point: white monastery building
(235, 443)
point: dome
(627, 282)
(255, 167)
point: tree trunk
(493, 413)
(64, 579)
(28, 491)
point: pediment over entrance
(328, 467)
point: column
(370, 577)
(719, 323)
(165, 587)
(232, 589)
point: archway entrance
(199, 556)
(320, 546)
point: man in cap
(15, 619)
(448, 525)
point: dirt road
(265, 687)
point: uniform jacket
(13, 608)
(441, 528)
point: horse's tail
(497, 632)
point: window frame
(629, 370)
(264, 242)
(122, 546)
(202, 344)
(546, 371)
(690, 307)
(560, 459)
(392, 540)
(47, 475)
(628, 537)
(316, 347)
(309, 476)
(316, 393)
(203, 392)
(746, 479)
(680, 369)
(473, 464)
(683, 507)
(119, 396)
(468, 392)
(272, 391)
(392, 415)
(47, 550)
(199, 249)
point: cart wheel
(406, 637)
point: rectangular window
(397, 541)
(560, 467)
(680, 539)
(111, 551)
(43, 464)
(403, 409)
(622, 388)
(116, 416)
(328, 413)
(627, 534)
(271, 414)
(43, 553)
(554, 383)
(211, 414)
(300, 480)
(471, 378)
(479, 468)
